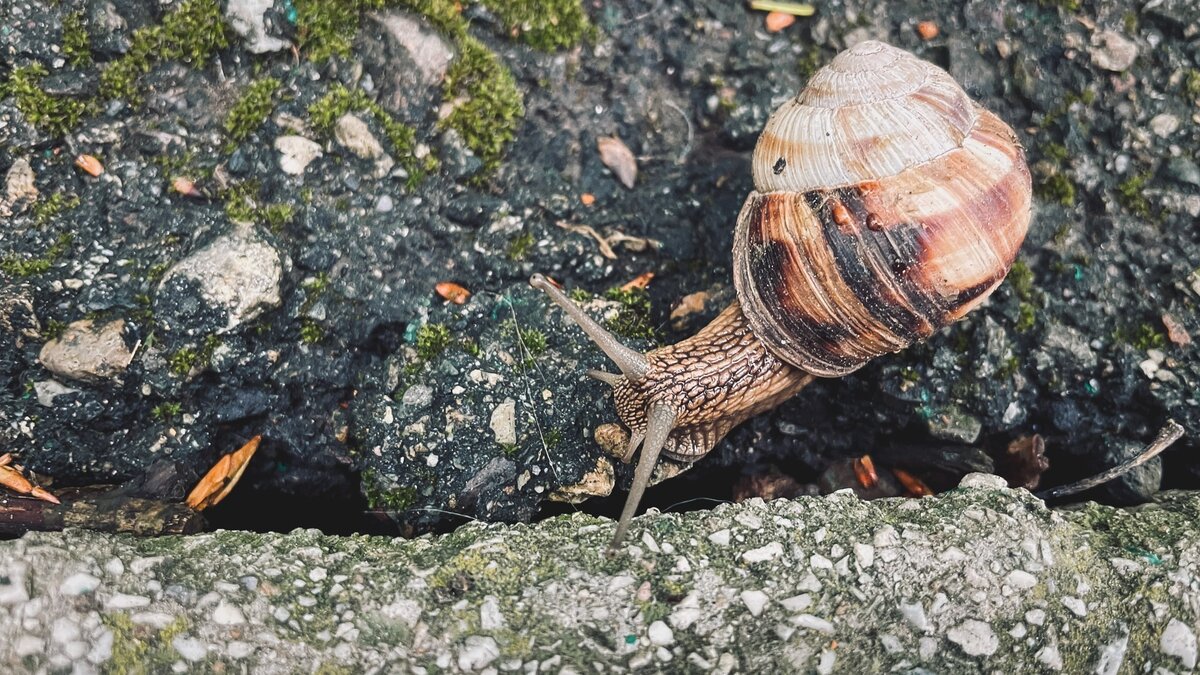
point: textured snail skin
(887, 205)
(714, 380)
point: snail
(887, 204)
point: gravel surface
(979, 579)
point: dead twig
(1170, 433)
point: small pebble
(1179, 641)
(762, 554)
(755, 601)
(660, 634)
(976, 638)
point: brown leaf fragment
(618, 158)
(587, 230)
(185, 186)
(1176, 333)
(1025, 462)
(639, 282)
(777, 21)
(915, 486)
(12, 478)
(864, 470)
(220, 479)
(452, 292)
(89, 164)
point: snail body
(887, 205)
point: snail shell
(887, 205)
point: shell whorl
(887, 205)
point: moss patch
(326, 28)
(1131, 195)
(488, 120)
(251, 109)
(543, 24)
(16, 266)
(633, 320)
(186, 358)
(1057, 187)
(432, 340)
(519, 247)
(48, 208)
(76, 43)
(192, 33)
(56, 115)
(326, 111)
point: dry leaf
(915, 486)
(605, 249)
(1176, 333)
(927, 30)
(89, 164)
(635, 244)
(12, 479)
(220, 479)
(618, 158)
(640, 281)
(864, 471)
(784, 7)
(1025, 462)
(185, 186)
(587, 198)
(777, 21)
(452, 292)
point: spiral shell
(887, 204)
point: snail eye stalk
(632, 364)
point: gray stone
(18, 185)
(48, 390)
(555, 577)
(353, 134)
(88, 353)
(1184, 170)
(1112, 51)
(296, 153)
(238, 273)
(504, 422)
(954, 424)
(246, 18)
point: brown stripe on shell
(887, 262)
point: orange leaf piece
(618, 158)
(587, 198)
(927, 30)
(185, 186)
(915, 486)
(640, 281)
(777, 21)
(452, 292)
(220, 479)
(864, 471)
(89, 164)
(14, 480)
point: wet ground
(286, 286)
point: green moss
(633, 319)
(519, 246)
(580, 295)
(398, 498)
(55, 204)
(1057, 188)
(54, 329)
(339, 100)
(1020, 278)
(1143, 336)
(138, 649)
(1026, 317)
(809, 61)
(311, 331)
(543, 24)
(56, 115)
(192, 33)
(1055, 152)
(432, 340)
(276, 216)
(15, 266)
(1069, 5)
(326, 28)
(534, 341)
(1131, 195)
(186, 358)
(251, 109)
(1191, 82)
(492, 110)
(76, 43)
(1009, 368)
(166, 411)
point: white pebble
(975, 637)
(1179, 641)
(318, 574)
(660, 634)
(720, 537)
(813, 623)
(1077, 606)
(915, 614)
(864, 554)
(490, 616)
(189, 648)
(755, 601)
(228, 615)
(122, 601)
(78, 584)
(1021, 580)
(762, 554)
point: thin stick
(1170, 433)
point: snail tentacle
(611, 379)
(660, 420)
(632, 364)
